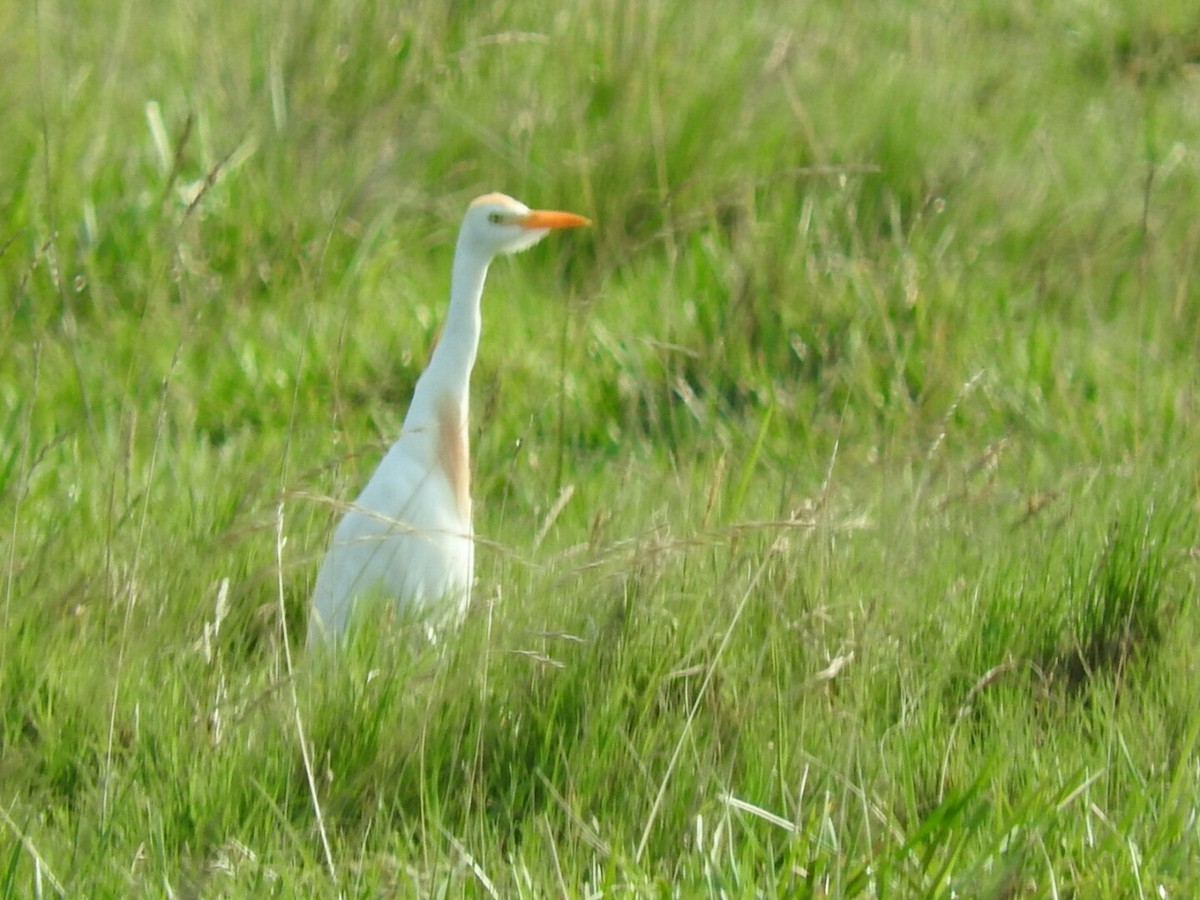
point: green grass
(837, 491)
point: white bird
(408, 538)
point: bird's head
(496, 224)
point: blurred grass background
(837, 489)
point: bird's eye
(495, 218)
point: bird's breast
(453, 453)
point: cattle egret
(408, 538)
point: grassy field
(837, 492)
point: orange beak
(549, 218)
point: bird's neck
(448, 375)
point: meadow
(836, 492)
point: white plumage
(408, 538)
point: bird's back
(405, 540)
